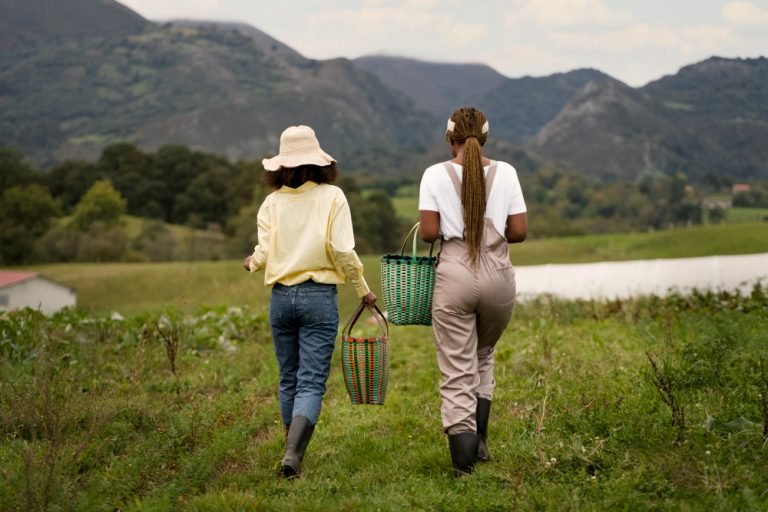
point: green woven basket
(365, 361)
(407, 283)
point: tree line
(75, 211)
(567, 204)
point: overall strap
(457, 183)
(489, 179)
(454, 176)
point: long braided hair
(468, 125)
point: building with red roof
(19, 290)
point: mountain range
(76, 75)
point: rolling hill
(215, 88)
(517, 107)
(710, 118)
(437, 87)
(24, 21)
(77, 75)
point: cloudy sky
(633, 40)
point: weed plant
(97, 413)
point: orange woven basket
(365, 361)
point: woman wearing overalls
(475, 206)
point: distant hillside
(608, 128)
(710, 118)
(437, 87)
(210, 88)
(26, 20)
(262, 39)
(517, 107)
(716, 88)
(77, 75)
(520, 107)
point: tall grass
(93, 417)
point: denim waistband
(306, 285)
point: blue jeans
(304, 320)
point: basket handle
(412, 233)
(375, 311)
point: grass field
(716, 239)
(100, 414)
(137, 287)
(747, 214)
(406, 208)
(648, 404)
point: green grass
(747, 214)
(93, 419)
(709, 240)
(134, 225)
(136, 287)
(406, 208)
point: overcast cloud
(634, 41)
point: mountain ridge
(210, 88)
(708, 119)
(23, 21)
(229, 88)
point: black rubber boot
(481, 418)
(463, 452)
(299, 433)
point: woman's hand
(247, 263)
(369, 300)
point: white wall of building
(37, 293)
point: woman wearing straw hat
(476, 207)
(306, 247)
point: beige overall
(471, 308)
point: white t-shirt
(438, 194)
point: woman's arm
(258, 259)
(429, 229)
(341, 240)
(517, 228)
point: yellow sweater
(306, 233)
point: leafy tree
(121, 158)
(377, 227)
(131, 173)
(207, 197)
(381, 225)
(26, 213)
(243, 227)
(14, 170)
(756, 197)
(156, 242)
(58, 244)
(101, 203)
(69, 180)
(102, 242)
(716, 215)
(176, 167)
(246, 185)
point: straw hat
(298, 146)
